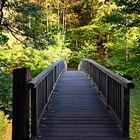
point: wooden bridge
(89, 104)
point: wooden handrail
(36, 81)
(113, 89)
(41, 88)
(116, 77)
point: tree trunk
(126, 54)
(58, 13)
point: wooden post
(125, 111)
(20, 121)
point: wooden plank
(74, 125)
(76, 134)
(78, 138)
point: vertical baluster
(107, 91)
(51, 80)
(89, 69)
(48, 86)
(39, 102)
(34, 111)
(120, 103)
(91, 72)
(84, 64)
(57, 71)
(46, 89)
(40, 99)
(44, 92)
(116, 98)
(114, 95)
(99, 81)
(55, 77)
(110, 91)
(85, 67)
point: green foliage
(15, 55)
(3, 125)
(30, 19)
(3, 39)
(75, 58)
(28, 23)
(135, 112)
(129, 6)
(111, 38)
(116, 18)
(36, 60)
(5, 93)
(92, 40)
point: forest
(36, 33)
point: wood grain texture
(76, 112)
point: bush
(6, 93)
(16, 56)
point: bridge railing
(113, 88)
(31, 97)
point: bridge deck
(76, 112)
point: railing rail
(41, 88)
(113, 88)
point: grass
(9, 131)
(135, 112)
(8, 135)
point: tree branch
(12, 32)
(1, 13)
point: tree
(27, 23)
